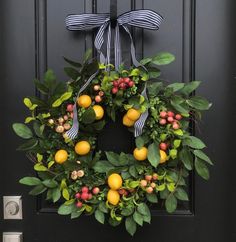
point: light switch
(12, 237)
(12, 207)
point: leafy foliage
(76, 173)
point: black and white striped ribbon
(143, 18)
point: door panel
(201, 35)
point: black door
(202, 36)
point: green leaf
(176, 86)
(187, 158)
(65, 96)
(27, 102)
(100, 217)
(179, 132)
(134, 184)
(201, 169)
(138, 218)
(135, 72)
(30, 181)
(113, 158)
(144, 209)
(103, 166)
(57, 103)
(37, 130)
(22, 130)
(130, 225)
(50, 78)
(194, 142)
(88, 116)
(177, 143)
(200, 154)
(73, 63)
(56, 194)
(127, 211)
(66, 194)
(50, 183)
(152, 197)
(40, 167)
(66, 209)
(163, 58)
(190, 87)
(133, 171)
(87, 55)
(153, 154)
(173, 153)
(145, 61)
(41, 87)
(38, 190)
(199, 103)
(154, 88)
(181, 194)
(181, 108)
(29, 119)
(71, 72)
(139, 141)
(102, 207)
(171, 203)
(28, 145)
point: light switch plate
(12, 237)
(12, 207)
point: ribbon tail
(139, 124)
(108, 59)
(117, 48)
(73, 131)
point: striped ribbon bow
(143, 18)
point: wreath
(73, 173)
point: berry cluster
(122, 84)
(170, 117)
(148, 184)
(62, 124)
(99, 93)
(85, 195)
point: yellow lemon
(99, 111)
(127, 122)
(61, 156)
(115, 181)
(82, 148)
(140, 154)
(113, 197)
(163, 156)
(84, 101)
(133, 114)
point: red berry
(149, 189)
(77, 195)
(131, 84)
(162, 121)
(98, 99)
(170, 114)
(115, 84)
(84, 196)
(148, 177)
(175, 126)
(126, 193)
(163, 114)
(79, 204)
(69, 107)
(90, 195)
(122, 86)
(122, 191)
(178, 116)
(153, 184)
(96, 190)
(114, 90)
(127, 80)
(120, 80)
(170, 119)
(85, 189)
(72, 115)
(163, 146)
(101, 93)
(154, 176)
